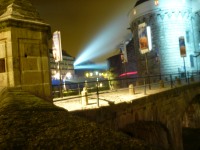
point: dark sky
(80, 21)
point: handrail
(93, 88)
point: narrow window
(2, 65)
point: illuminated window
(156, 2)
(2, 65)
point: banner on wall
(182, 46)
(144, 35)
(123, 50)
(56, 46)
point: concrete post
(84, 97)
(131, 89)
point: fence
(93, 89)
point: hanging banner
(182, 46)
(123, 51)
(56, 46)
(143, 39)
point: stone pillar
(24, 57)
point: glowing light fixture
(87, 75)
(69, 75)
(156, 2)
(149, 37)
(57, 75)
(134, 12)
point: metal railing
(93, 89)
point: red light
(128, 73)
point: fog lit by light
(107, 40)
(92, 66)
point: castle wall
(167, 24)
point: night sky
(81, 21)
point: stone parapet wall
(167, 108)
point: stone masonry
(24, 56)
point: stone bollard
(131, 89)
(84, 98)
(161, 84)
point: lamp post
(197, 60)
(184, 68)
(147, 70)
(60, 72)
(145, 44)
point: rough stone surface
(20, 9)
(28, 122)
(167, 107)
(154, 133)
(24, 48)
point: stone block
(3, 80)
(2, 49)
(29, 64)
(31, 78)
(46, 74)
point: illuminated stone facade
(24, 56)
(168, 21)
(66, 67)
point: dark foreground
(28, 122)
(191, 139)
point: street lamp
(198, 54)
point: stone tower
(24, 55)
(168, 20)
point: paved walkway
(114, 96)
